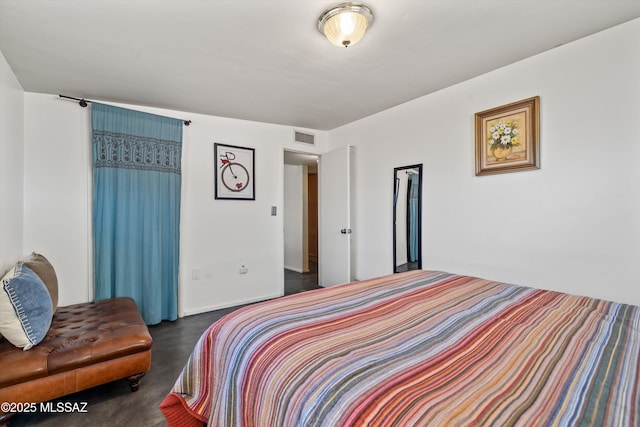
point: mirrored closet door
(407, 218)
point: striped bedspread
(416, 349)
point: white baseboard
(229, 304)
(297, 270)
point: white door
(334, 223)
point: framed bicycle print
(507, 138)
(235, 172)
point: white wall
(217, 236)
(57, 219)
(293, 217)
(11, 166)
(573, 225)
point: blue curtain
(412, 217)
(136, 208)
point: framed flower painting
(507, 138)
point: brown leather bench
(87, 345)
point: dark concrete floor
(407, 267)
(114, 404)
(300, 282)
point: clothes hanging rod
(84, 102)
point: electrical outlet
(244, 269)
(195, 274)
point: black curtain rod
(84, 102)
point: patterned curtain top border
(123, 151)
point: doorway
(300, 211)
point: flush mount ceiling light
(344, 24)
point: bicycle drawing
(234, 172)
(234, 176)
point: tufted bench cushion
(87, 345)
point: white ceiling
(264, 60)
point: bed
(421, 348)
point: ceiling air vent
(306, 138)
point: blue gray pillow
(25, 307)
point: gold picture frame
(508, 137)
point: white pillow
(25, 307)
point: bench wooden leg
(134, 382)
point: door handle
(345, 231)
